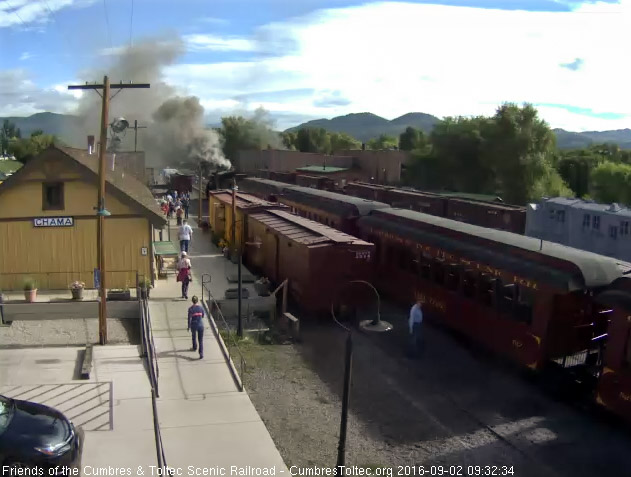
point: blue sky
(322, 58)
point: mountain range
(363, 126)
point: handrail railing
(232, 344)
(149, 351)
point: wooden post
(101, 207)
(199, 213)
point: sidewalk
(204, 419)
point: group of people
(176, 203)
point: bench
(86, 367)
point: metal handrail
(231, 334)
(154, 373)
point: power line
(61, 32)
(131, 23)
(16, 12)
(107, 23)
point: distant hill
(365, 126)
(51, 123)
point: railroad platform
(205, 421)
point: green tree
(7, 133)
(27, 148)
(520, 147)
(411, 139)
(289, 140)
(37, 132)
(383, 142)
(239, 133)
(610, 183)
(313, 140)
(343, 142)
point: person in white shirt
(416, 318)
(185, 233)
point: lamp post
(376, 325)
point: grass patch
(9, 166)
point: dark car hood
(35, 425)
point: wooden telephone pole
(101, 211)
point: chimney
(90, 144)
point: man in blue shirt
(196, 326)
(416, 318)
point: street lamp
(376, 325)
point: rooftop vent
(614, 208)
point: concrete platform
(205, 420)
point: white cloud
(26, 55)
(392, 58)
(199, 42)
(24, 13)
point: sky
(309, 59)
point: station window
(439, 272)
(469, 284)
(453, 277)
(53, 196)
(561, 216)
(613, 231)
(624, 227)
(586, 220)
(487, 289)
(596, 223)
(552, 214)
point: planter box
(119, 296)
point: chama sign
(53, 222)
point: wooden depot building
(48, 223)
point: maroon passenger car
(519, 297)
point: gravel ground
(453, 407)
(67, 332)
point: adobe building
(48, 223)
(380, 167)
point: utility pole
(101, 211)
(136, 128)
(199, 212)
(238, 252)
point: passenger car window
(613, 231)
(586, 220)
(596, 223)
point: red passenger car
(366, 190)
(614, 384)
(337, 210)
(287, 177)
(426, 202)
(494, 215)
(316, 259)
(522, 298)
(263, 188)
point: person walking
(179, 214)
(185, 234)
(416, 318)
(184, 273)
(196, 326)
(186, 202)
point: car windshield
(6, 407)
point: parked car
(34, 435)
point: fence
(229, 344)
(149, 352)
(120, 279)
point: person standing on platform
(184, 273)
(415, 321)
(185, 234)
(196, 326)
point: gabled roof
(125, 186)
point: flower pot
(77, 293)
(30, 295)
